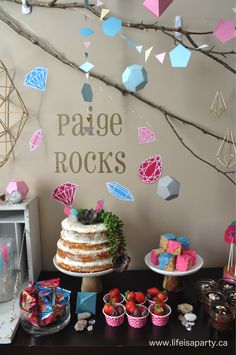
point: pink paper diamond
(145, 135)
(225, 30)
(150, 170)
(65, 193)
(36, 139)
(157, 7)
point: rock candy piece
(81, 325)
(184, 322)
(185, 308)
(89, 328)
(190, 317)
(92, 321)
(84, 315)
(14, 197)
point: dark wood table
(108, 340)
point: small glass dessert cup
(231, 298)
(45, 323)
(226, 285)
(221, 316)
(160, 320)
(106, 298)
(211, 296)
(138, 321)
(203, 286)
(117, 317)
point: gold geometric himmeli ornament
(227, 151)
(218, 106)
(13, 115)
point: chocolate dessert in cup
(211, 296)
(221, 315)
(203, 286)
(226, 285)
(231, 298)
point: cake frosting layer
(71, 224)
(90, 238)
(77, 251)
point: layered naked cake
(83, 248)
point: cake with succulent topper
(91, 241)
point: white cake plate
(173, 280)
(91, 281)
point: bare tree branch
(169, 31)
(11, 22)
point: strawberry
(158, 310)
(108, 309)
(130, 307)
(130, 296)
(139, 297)
(114, 292)
(114, 299)
(162, 296)
(153, 290)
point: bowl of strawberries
(160, 313)
(137, 314)
(114, 314)
(137, 297)
(114, 296)
(153, 295)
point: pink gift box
(160, 321)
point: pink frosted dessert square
(183, 262)
(174, 247)
(155, 253)
(192, 253)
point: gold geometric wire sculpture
(218, 106)
(227, 151)
(13, 115)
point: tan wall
(206, 203)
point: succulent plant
(86, 216)
(121, 261)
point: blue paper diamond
(86, 67)
(86, 31)
(119, 191)
(111, 26)
(87, 93)
(179, 56)
(134, 77)
(37, 78)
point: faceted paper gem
(104, 12)
(19, 186)
(86, 31)
(168, 188)
(119, 191)
(134, 77)
(148, 52)
(99, 3)
(179, 56)
(65, 193)
(86, 44)
(145, 135)
(225, 30)
(139, 49)
(157, 7)
(37, 78)
(87, 66)
(36, 139)
(87, 92)
(150, 169)
(112, 26)
(227, 150)
(161, 57)
(218, 106)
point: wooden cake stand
(173, 279)
(91, 281)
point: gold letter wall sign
(90, 162)
(13, 115)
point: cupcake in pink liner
(137, 315)
(137, 297)
(114, 314)
(114, 296)
(160, 313)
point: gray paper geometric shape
(168, 188)
(87, 92)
